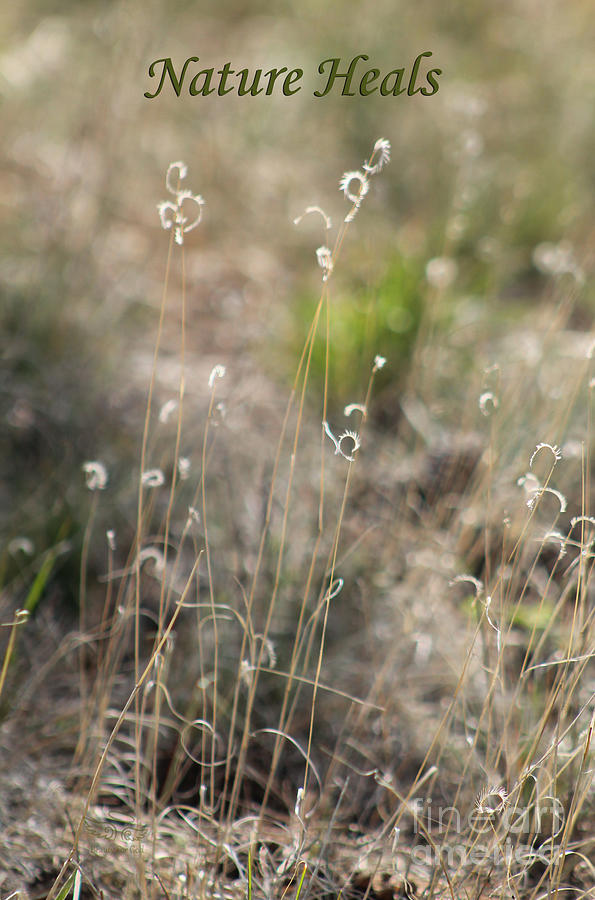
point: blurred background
(493, 173)
(482, 223)
(469, 267)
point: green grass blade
(66, 889)
(40, 582)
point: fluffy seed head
(216, 372)
(325, 261)
(95, 475)
(347, 435)
(553, 448)
(21, 545)
(488, 403)
(315, 209)
(182, 170)
(166, 410)
(153, 478)
(379, 158)
(354, 407)
(491, 801)
(170, 213)
(345, 186)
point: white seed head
(299, 802)
(182, 170)
(354, 438)
(380, 157)
(576, 519)
(491, 801)
(556, 536)
(246, 671)
(21, 545)
(216, 372)
(539, 492)
(153, 478)
(166, 410)
(170, 213)
(95, 475)
(347, 435)
(315, 209)
(183, 468)
(488, 403)
(187, 225)
(325, 261)
(345, 186)
(379, 363)
(111, 538)
(354, 407)
(553, 448)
